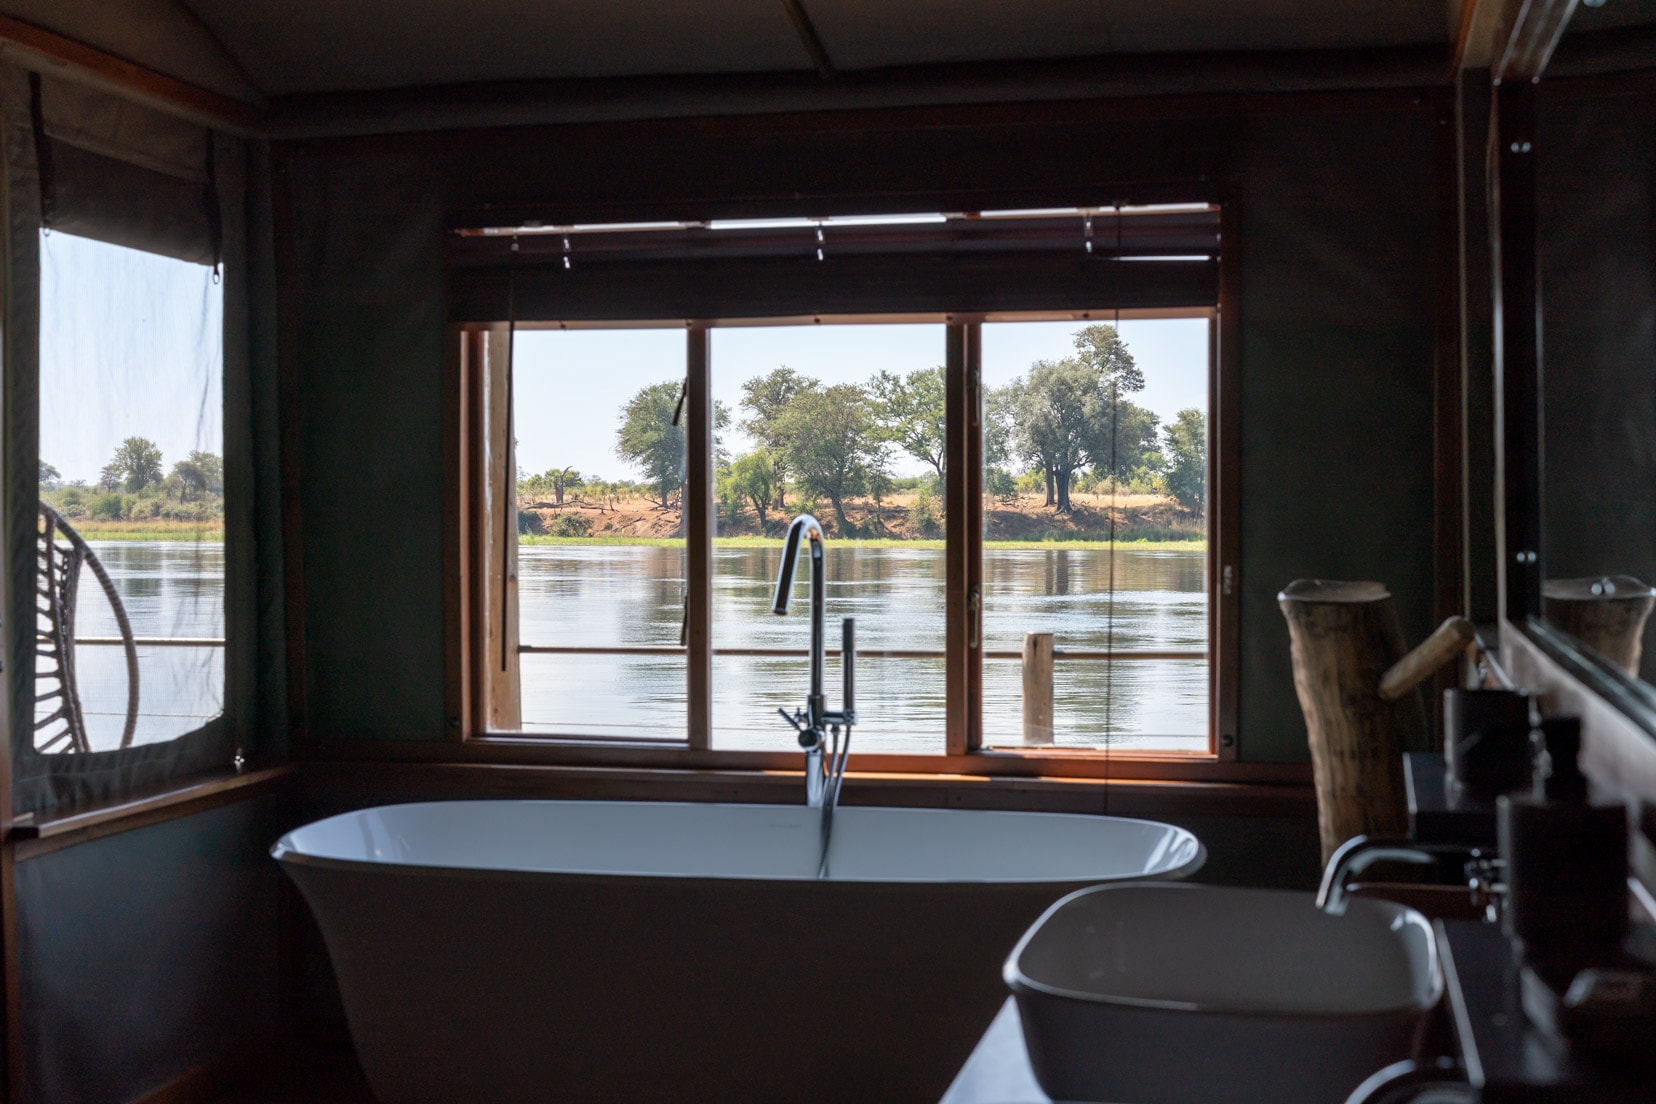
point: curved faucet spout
(806, 527)
(801, 526)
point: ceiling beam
(809, 38)
(37, 48)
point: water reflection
(608, 595)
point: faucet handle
(808, 736)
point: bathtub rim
(283, 851)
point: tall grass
(149, 530)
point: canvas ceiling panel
(862, 34)
(358, 44)
(163, 35)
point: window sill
(33, 836)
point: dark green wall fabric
(369, 242)
(147, 953)
(1337, 318)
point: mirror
(1596, 230)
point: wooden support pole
(698, 531)
(1037, 688)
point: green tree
(910, 410)
(765, 398)
(1186, 456)
(106, 507)
(49, 475)
(650, 441)
(1125, 438)
(833, 443)
(211, 467)
(137, 462)
(1100, 348)
(753, 477)
(1000, 414)
(1056, 415)
(190, 478)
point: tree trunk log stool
(1606, 613)
(1357, 688)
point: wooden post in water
(1037, 688)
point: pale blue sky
(131, 345)
(157, 374)
(570, 385)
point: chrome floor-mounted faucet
(824, 734)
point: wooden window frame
(486, 733)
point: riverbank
(905, 518)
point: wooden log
(1345, 637)
(1037, 688)
(1429, 655)
(1606, 613)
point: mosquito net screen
(130, 606)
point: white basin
(1170, 993)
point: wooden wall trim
(459, 355)
(1225, 488)
(404, 781)
(67, 829)
(156, 89)
(535, 751)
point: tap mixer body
(824, 734)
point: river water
(608, 595)
(170, 589)
(633, 595)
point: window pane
(844, 422)
(1095, 531)
(601, 544)
(132, 484)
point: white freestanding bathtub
(535, 951)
